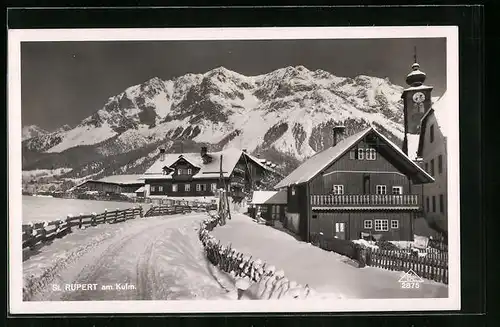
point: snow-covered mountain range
(286, 113)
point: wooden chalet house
(202, 174)
(362, 186)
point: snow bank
(328, 273)
(252, 278)
(365, 243)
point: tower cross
(415, 54)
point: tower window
(427, 204)
(441, 203)
(431, 133)
(433, 203)
(440, 164)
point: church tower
(416, 101)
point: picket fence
(38, 233)
(181, 207)
(430, 267)
(237, 264)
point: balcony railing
(360, 200)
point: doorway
(340, 230)
(366, 184)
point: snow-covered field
(326, 272)
(157, 258)
(46, 208)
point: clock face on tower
(418, 97)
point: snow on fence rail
(38, 233)
(432, 265)
(429, 267)
(177, 207)
(250, 271)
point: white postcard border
(16, 304)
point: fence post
(105, 215)
(116, 215)
(44, 231)
(80, 221)
(70, 223)
(93, 219)
(141, 212)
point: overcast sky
(64, 82)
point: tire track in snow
(161, 258)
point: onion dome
(416, 77)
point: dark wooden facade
(351, 190)
(242, 180)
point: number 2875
(408, 285)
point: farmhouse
(271, 205)
(202, 174)
(113, 184)
(362, 186)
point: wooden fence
(38, 233)
(237, 264)
(431, 263)
(177, 207)
(429, 266)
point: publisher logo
(410, 280)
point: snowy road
(145, 259)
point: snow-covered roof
(321, 160)
(269, 197)
(441, 112)
(140, 189)
(230, 158)
(121, 179)
(412, 145)
(417, 88)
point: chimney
(162, 154)
(203, 151)
(337, 133)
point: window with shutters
(381, 225)
(371, 154)
(174, 188)
(160, 188)
(397, 190)
(187, 187)
(361, 154)
(338, 189)
(394, 224)
(381, 189)
(368, 224)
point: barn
(271, 205)
(117, 184)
